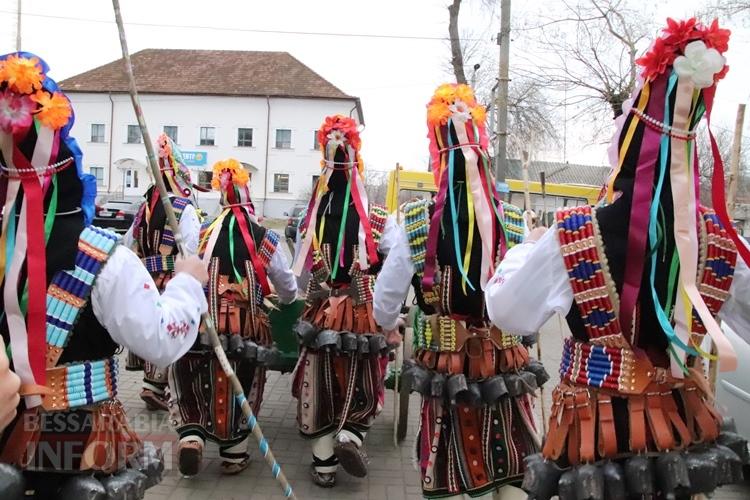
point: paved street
(392, 475)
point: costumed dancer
(339, 379)
(477, 422)
(152, 240)
(246, 268)
(641, 281)
(70, 294)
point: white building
(262, 108)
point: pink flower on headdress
(15, 111)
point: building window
(98, 172)
(171, 131)
(208, 136)
(314, 182)
(280, 183)
(244, 137)
(131, 178)
(134, 134)
(283, 138)
(316, 144)
(204, 178)
(97, 132)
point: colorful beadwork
(159, 263)
(268, 247)
(447, 334)
(417, 225)
(514, 224)
(166, 246)
(596, 365)
(593, 296)
(378, 218)
(69, 291)
(81, 384)
(716, 270)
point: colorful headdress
(172, 166)
(40, 177)
(456, 126)
(232, 180)
(654, 146)
(340, 142)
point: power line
(244, 30)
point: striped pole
(239, 392)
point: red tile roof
(209, 72)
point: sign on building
(195, 158)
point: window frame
(200, 136)
(97, 168)
(176, 128)
(240, 139)
(316, 142)
(276, 139)
(276, 177)
(139, 137)
(103, 136)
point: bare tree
(457, 56)
(589, 53)
(724, 138)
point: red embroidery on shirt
(146, 286)
(177, 329)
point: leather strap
(586, 415)
(670, 408)
(661, 433)
(563, 406)
(700, 419)
(607, 434)
(637, 420)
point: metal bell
(80, 488)
(328, 339)
(528, 382)
(251, 350)
(267, 356)
(349, 342)
(118, 488)
(639, 475)
(416, 378)
(455, 386)
(529, 340)
(537, 368)
(730, 466)
(378, 343)
(566, 486)
(540, 477)
(589, 483)
(306, 332)
(703, 472)
(150, 462)
(614, 481)
(363, 345)
(236, 345)
(224, 342)
(437, 385)
(671, 474)
(736, 443)
(514, 385)
(138, 480)
(12, 483)
(493, 389)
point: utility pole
(501, 150)
(18, 28)
(734, 162)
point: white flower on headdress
(699, 63)
(460, 111)
(336, 137)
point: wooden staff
(239, 393)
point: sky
(394, 69)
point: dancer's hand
(9, 387)
(193, 266)
(393, 337)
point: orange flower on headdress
(340, 129)
(54, 109)
(236, 173)
(23, 75)
(454, 101)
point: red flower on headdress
(678, 33)
(716, 37)
(339, 128)
(656, 60)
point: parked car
(298, 212)
(117, 215)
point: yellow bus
(404, 185)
